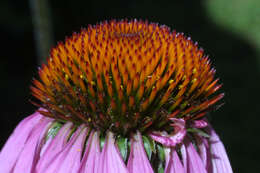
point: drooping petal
(45, 146)
(199, 124)
(174, 164)
(68, 160)
(194, 162)
(204, 151)
(16, 142)
(167, 153)
(55, 146)
(138, 161)
(220, 161)
(110, 159)
(171, 140)
(31, 151)
(184, 157)
(90, 161)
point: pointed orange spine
(127, 66)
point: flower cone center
(126, 76)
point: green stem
(41, 20)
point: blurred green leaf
(239, 16)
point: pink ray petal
(184, 157)
(16, 142)
(194, 162)
(45, 146)
(174, 164)
(31, 151)
(204, 151)
(55, 146)
(110, 159)
(171, 140)
(199, 124)
(90, 161)
(220, 161)
(68, 160)
(138, 161)
(167, 153)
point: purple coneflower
(121, 97)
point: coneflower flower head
(131, 96)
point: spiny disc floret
(125, 76)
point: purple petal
(184, 157)
(175, 164)
(171, 140)
(90, 161)
(110, 159)
(16, 142)
(138, 161)
(220, 161)
(194, 162)
(31, 151)
(204, 151)
(167, 153)
(199, 124)
(68, 160)
(55, 146)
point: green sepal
(160, 168)
(123, 147)
(72, 131)
(161, 152)
(198, 131)
(149, 146)
(53, 130)
(102, 141)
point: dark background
(235, 58)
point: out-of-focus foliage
(240, 16)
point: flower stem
(41, 20)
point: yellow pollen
(171, 81)
(93, 83)
(194, 80)
(66, 77)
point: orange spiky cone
(116, 73)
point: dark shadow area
(234, 58)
